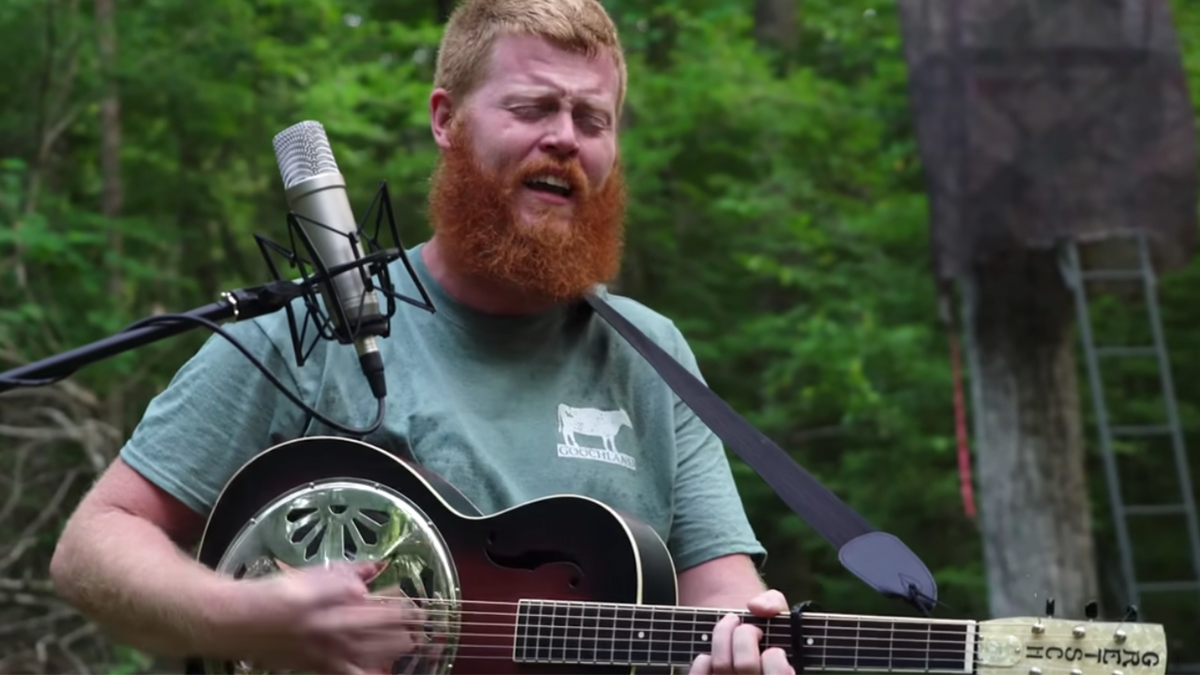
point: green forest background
(778, 214)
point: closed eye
(532, 111)
(587, 117)
(593, 122)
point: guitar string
(1046, 670)
(808, 616)
(770, 640)
(900, 625)
(674, 631)
(897, 637)
(815, 656)
(811, 661)
(539, 634)
(689, 635)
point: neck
(556, 632)
(483, 295)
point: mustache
(472, 209)
(568, 170)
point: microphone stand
(243, 303)
(255, 301)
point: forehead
(529, 64)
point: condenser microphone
(316, 194)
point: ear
(441, 114)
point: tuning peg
(1091, 610)
(1039, 627)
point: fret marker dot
(641, 635)
(704, 637)
(809, 642)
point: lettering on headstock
(1043, 645)
(1107, 657)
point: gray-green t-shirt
(478, 399)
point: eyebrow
(542, 93)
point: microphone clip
(328, 320)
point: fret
(558, 629)
(928, 656)
(572, 633)
(843, 643)
(673, 635)
(661, 635)
(644, 635)
(857, 638)
(838, 645)
(821, 638)
(601, 622)
(639, 640)
(613, 634)
(537, 644)
(521, 632)
(949, 644)
(545, 632)
(891, 643)
(692, 639)
(875, 645)
(699, 639)
(624, 634)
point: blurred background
(940, 252)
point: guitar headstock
(1046, 646)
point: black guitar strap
(879, 559)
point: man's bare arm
(728, 582)
(120, 562)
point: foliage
(778, 215)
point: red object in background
(960, 428)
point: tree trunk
(776, 22)
(112, 194)
(777, 28)
(1034, 510)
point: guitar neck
(556, 632)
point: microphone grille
(302, 151)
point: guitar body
(317, 500)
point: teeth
(552, 180)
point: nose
(560, 138)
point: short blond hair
(581, 26)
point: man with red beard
(512, 391)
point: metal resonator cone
(346, 521)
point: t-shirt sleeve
(710, 519)
(217, 412)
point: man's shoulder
(656, 325)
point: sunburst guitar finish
(567, 585)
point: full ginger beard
(564, 253)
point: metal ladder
(1185, 504)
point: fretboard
(646, 635)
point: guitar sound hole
(533, 559)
